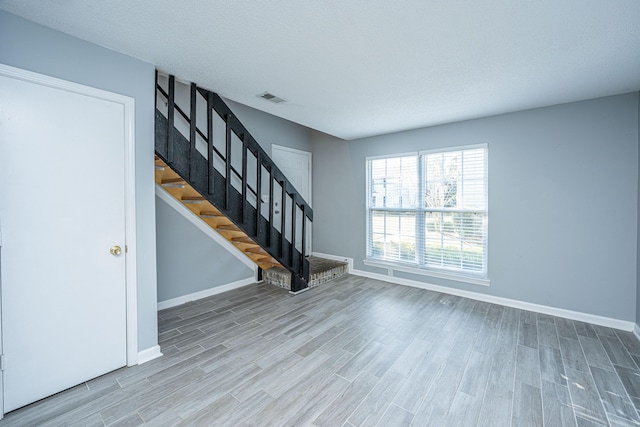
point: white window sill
(424, 272)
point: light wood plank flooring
(360, 352)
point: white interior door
(62, 207)
(296, 167)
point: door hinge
(1, 362)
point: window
(429, 210)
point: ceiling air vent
(271, 97)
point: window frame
(419, 265)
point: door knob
(115, 250)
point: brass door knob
(115, 250)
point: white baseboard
(507, 302)
(151, 353)
(206, 293)
(538, 308)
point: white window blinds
(393, 199)
(429, 210)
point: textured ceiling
(366, 67)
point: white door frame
(128, 104)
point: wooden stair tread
(228, 227)
(230, 235)
(211, 214)
(192, 199)
(256, 250)
(241, 245)
(170, 183)
(216, 220)
(267, 266)
(261, 257)
(243, 239)
(173, 181)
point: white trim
(507, 302)
(484, 145)
(538, 308)
(128, 103)
(392, 156)
(206, 293)
(424, 272)
(55, 83)
(131, 247)
(205, 228)
(149, 354)
(299, 292)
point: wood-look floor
(360, 352)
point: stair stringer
(187, 196)
(206, 229)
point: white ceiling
(355, 68)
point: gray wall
(30, 46)
(188, 260)
(268, 129)
(563, 201)
(638, 241)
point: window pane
(456, 180)
(394, 182)
(472, 194)
(455, 240)
(474, 163)
(443, 176)
(433, 239)
(393, 236)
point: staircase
(207, 160)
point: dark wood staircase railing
(235, 175)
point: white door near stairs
(296, 167)
(63, 276)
